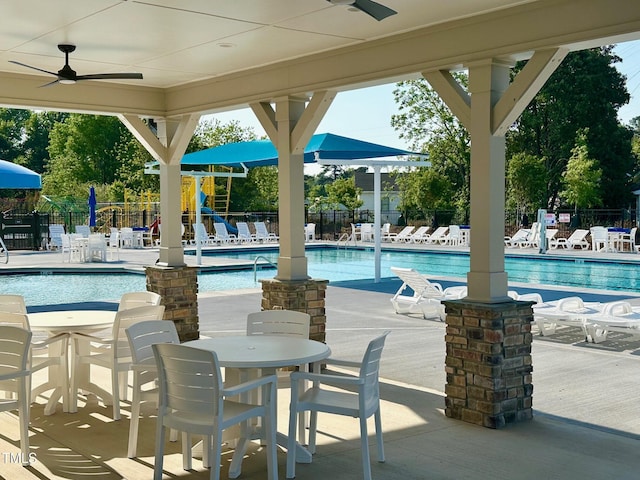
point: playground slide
(217, 218)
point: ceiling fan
(68, 76)
(374, 9)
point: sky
(365, 114)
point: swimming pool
(334, 265)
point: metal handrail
(4, 252)
(255, 266)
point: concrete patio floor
(586, 415)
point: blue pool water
(333, 265)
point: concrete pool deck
(586, 414)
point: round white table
(68, 322)
(265, 352)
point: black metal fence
(29, 230)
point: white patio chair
(385, 232)
(520, 236)
(453, 237)
(627, 239)
(141, 336)
(112, 353)
(96, 248)
(14, 380)
(70, 249)
(193, 399)
(138, 299)
(358, 397)
(126, 238)
(278, 322)
(423, 291)
(310, 232)
(599, 239)
(84, 230)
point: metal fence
(29, 230)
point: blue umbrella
(92, 207)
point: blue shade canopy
(260, 153)
(18, 177)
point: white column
(487, 279)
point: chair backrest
(370, 373)
(577, 235)
(310, 229)
(279, 322)
(200, 232)
(12, 303)
(14, 354)
(124, 319)
(440, 232)
(138, 299)
(20, 320)
(386, 228)
(243, 230)
(416, 281)
(406, 231)
(261, 229)
(570, 303)
(454, 231)
(599, 233)
(617, 308)
(531, 297)
(221, 230)
(189, 380)
(143, 334)
(84, 230)
(55, 231)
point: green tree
(426, 121)
(12, 131)
(581, 179)
(424, 190)
(526, 182)
(34, 148)
(343, 191)
(585, 92)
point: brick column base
(300, 295)
(488, 362)
(178, 287)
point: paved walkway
(586, 413)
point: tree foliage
(426, 121)
(526, 182)
(583, 94)
(343, 191)
(581, 179)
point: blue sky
(365, 114)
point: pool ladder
(255, 266)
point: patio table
(68, 322)
(245, 352)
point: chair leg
(364, 445)
(115, 391)
(135, 418)
(379, 440)
(291, 442)
(23, 413)
(160, 433)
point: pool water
(331, 264)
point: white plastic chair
(141, 336)
(310, 232)
(112, 353)
(278, 322)
(244, 234)
(14, 380)
(84, 230)
(44, 353)
(55, 231)
(262, 234)
(599, 239)
(223, 235)
(138, 299)
(359, 399)
(192, 399)
(97, 247)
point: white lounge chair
(426, 294)
(615, 317)
(577, 239)
(55, 236)
(518, 237)
(569, 311)
(262, 234)
(223, 235)
(404, 235)
(439, 235)
(244, 234)
(201, 236)
(420, 235)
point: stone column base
(301, 295)
(488, 362)
(178, 287)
